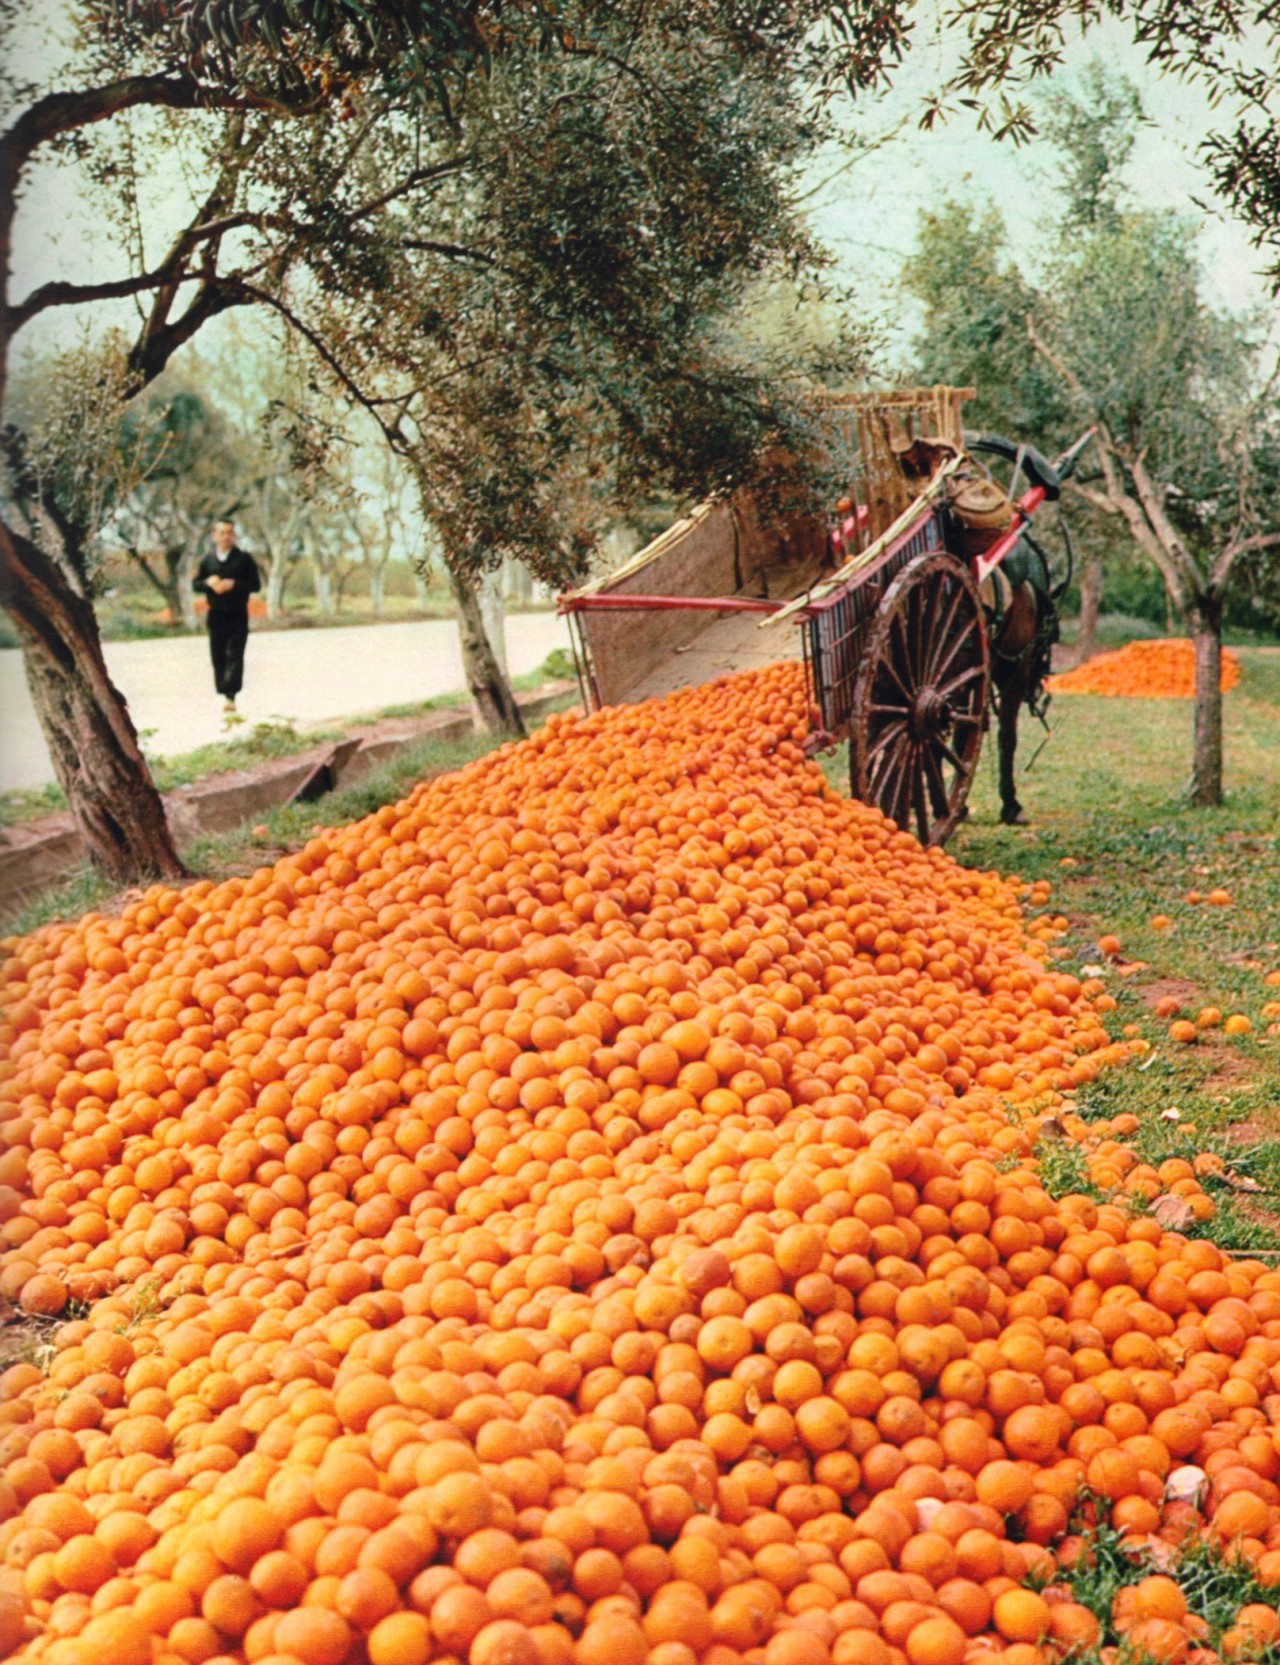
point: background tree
(68, 468)
(1188, 438)
(975, 300)
(378, 517)
(558, 347)
(1115, 331)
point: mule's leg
(1015, 647)
(1011, 683)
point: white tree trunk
(277, 574)
(378, 589)
(323, 581)
(186, 595)
(493, 613)
(517, 585)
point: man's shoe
(228, 705)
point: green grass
(1063, 1170)
(30, 803)
(1114, 629)
(275, 738)
(1214, 1586)
(67, 899)
(1106, 797)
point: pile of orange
(585, 1214)
(1152, 670)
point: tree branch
(1140, 528)
(1100, 500)
(1223, 565)
(419, 176)
(65, 112)
(157, 346)
(139, 559)
(1055, 361)
(1148, 524)
(1152, 502)
(60, 293)
(319, 346)
(454, 251)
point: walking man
(228, 577)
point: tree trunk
(322, 582)
(492, 702)
(1206, 768)
(91, 738)
(182, 598)
(421, 590)
(1090, 597)
(277, 577)
(517, 585)
(495, 616)
(173, 585)
(186, 595)
(378, 590)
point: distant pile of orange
(585, 1214)
(1159, 670)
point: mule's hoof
(1015, 817)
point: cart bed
(731, 643)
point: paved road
(310, 676)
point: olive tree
(1114, 331)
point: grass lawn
(1113, 836)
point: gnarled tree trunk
(1206, 765)
(94, 746)
(493, 703)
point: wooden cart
(896, 640)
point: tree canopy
(286, 51)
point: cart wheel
(920, 701)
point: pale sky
(868, 215)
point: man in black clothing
(228, 577)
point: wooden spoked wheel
(920, 701)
